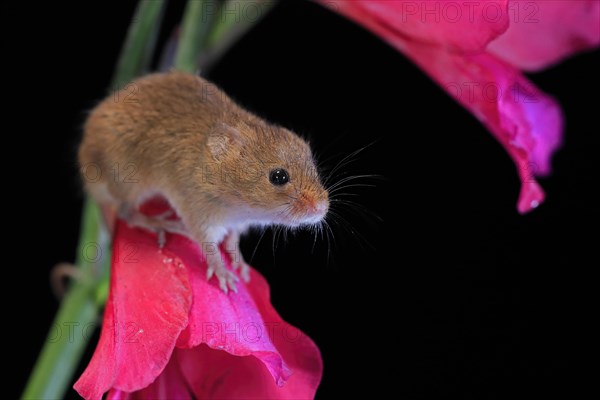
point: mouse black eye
(279, 176)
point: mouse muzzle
(311, 209)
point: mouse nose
(312, 205)
(321, 207)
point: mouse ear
(223, 138)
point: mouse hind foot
(158, 224)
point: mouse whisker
(350, 158)
(351, 178)
(284, 232)
(358, 209)
(316, 229)
(257, 244)
(339, 188)
(343, 194)
(275, 230)
(328, 232)
(343, 223)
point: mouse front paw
(232, 241)
(227, 279)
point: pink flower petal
(171, 384)
(221, 375)
(466, 26)
(158, 205)
(241, 348)
(146, 310)
(524, 120)
(229, 322)
(215, 374)
(544, 32)
(297, 349)
(114, 394)
(157, 296)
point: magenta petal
(217, 374)
(463, 26)
(229, 322)
(214, 374)
(100, 373)
(115, 394)
(544, 32)
(524, 120)
(297, 349)
(146, 310)
(171, 384)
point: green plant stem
(140, 41)
(70, 330)
(78, 311)
(231, 25)
(234, 19)
(77, 314)
(197, 24)
(64, 345)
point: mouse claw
(227, 279)
(223, 285)
(232, 286)
(244, 270)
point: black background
(453, 293)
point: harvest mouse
(221, 168)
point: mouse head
(269, 174)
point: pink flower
(170, 333)
(475, 50)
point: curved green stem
(211, 27)
(70, 329)
(140, 41)
(74, 321)
(197, 22)
(234, 19)
(78, 311)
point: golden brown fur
(178, 135)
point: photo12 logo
(468, 11)
(236, 11)
(491, 92)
